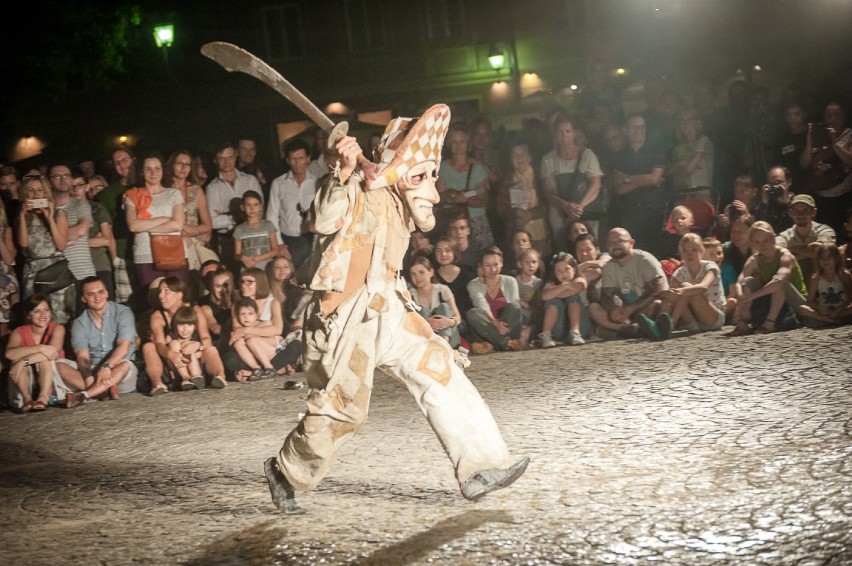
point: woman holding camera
(42, 234)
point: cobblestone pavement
(700, 450)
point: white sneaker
(575, 339)
(548, 342)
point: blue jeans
(443, 310)
(562, 329)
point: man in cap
(361, 317)
(804, 238)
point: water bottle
(53, 401)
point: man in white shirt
(290, 199)
(224, 194)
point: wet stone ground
(700, 450)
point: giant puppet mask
(409, 158)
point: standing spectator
(571, 180)
(10, 290)
(79, 216)
(197, 225)
(830, 163)
(42, 234)
(519, 195)
(692, 164)
(805, 238)
(772, 275)
(112, 198)
(318, 166)
(495, 319)
(35, 350)
(462, 181)
(10, 188)
(254, 240)
(638, 202)
(790, 145)
(104, 342)
(247, 159)
(101, 240)
(745, 202)
(290, 201)
(631, 286)
(153, 209)
(775, 198)
(223, 197)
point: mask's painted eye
(417, 179)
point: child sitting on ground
(680, 222)
(695, 297)
(184, 339)
(561, 296)
(529, 264)
(255, 351)
(829, 291)
(714, 251)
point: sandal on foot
(768, 327)
(256, 375)
(158, 390)
(187, 385)
(217, 382)
(39, 406)
(27, 407)
(740, 330)
(197, 381)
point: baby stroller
(703, 202)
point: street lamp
(164, 37)
(496, 58)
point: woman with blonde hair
(43, 235)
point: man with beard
(361, 317)
(630, 286)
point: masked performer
(362, 317)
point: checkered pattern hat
(409, 141)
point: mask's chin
(426, 225)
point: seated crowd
(181, 273)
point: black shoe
(483, 483)
(664, 325)
(282, 492)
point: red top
(26, 333)
(497, 304)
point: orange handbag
(168, 252)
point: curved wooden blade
(233, 58)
